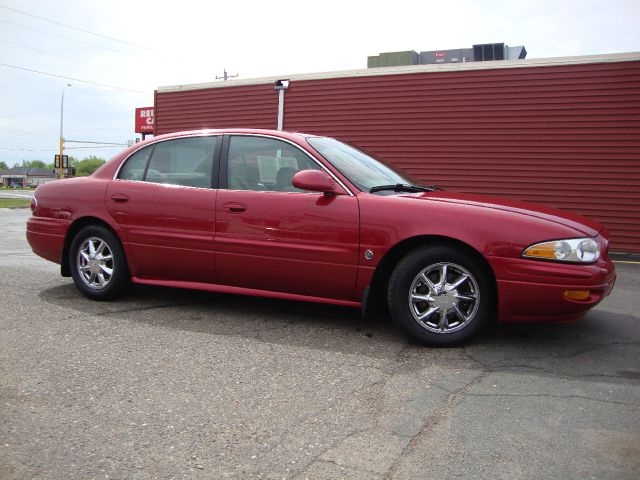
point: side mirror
(315, 181)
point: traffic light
(65, 161)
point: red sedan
(303, 217)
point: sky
(115, 53)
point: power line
(174, 57)
(60, 56)
(95, 148)
(69, 38)
(30, 80)
(55, 149)
(27, 149)
(73, 79)
(78, 29)
(106, 144)
(24, 132)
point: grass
(14, 202)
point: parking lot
(182, 384)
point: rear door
(164, 201)
(271, 236)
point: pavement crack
(598, 346)
(465, 352)
(515, 366)
(548, 395)
(433, 420)
(575, 353)
(318, 457)
(547, 355)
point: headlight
(581, 250)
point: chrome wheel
(95, 263)
(444, 298)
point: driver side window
(264, 164)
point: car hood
(582, 224)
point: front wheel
(440, 295)
(97, 262)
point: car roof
(254, 131)
(109, 169)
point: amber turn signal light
(577, 294)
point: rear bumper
(531, 290)
(46, 237)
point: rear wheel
(97, 263)
(440, 295)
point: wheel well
(74, 228)
(379, 283)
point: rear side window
(134, 168)
(184, 161)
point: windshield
(363, 170)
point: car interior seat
(283, 179)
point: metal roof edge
(408, 69)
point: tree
(32, 164)
(88, 165)
(4, 166)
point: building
(562, 131)
(26, 177)
(478, 53)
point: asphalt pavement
(169, 383)
(16, 193)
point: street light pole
(61, 137)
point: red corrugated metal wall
(254, 106)
(566, 136)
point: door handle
(233, 207)
(119, 198)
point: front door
(271, 236)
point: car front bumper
(533, 290)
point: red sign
(144, 120)
(439, 55)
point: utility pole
(226, 76)
(61, 137)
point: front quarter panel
(388, 220)
(527, 289)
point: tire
(97, 263)
(434, 312)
